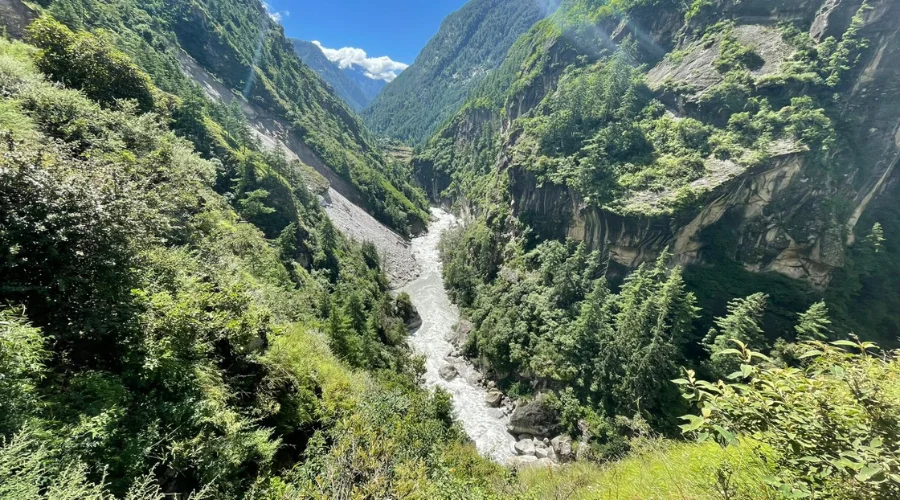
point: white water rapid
(486, 426)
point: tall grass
(661, 469)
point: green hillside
(345, 87)
(470, 43)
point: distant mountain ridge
(352, 84)
(346, 87)
(370, 87)
(471, 43)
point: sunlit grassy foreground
(661, 469)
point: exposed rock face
(14, 17)
(697, 65)
(461, 332)
(343, 203)
(525, 447)
(773, 215)
(534, 417)
(562, 447)
(493, 398)
(541, 450)
(413, 320)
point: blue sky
(397, 29)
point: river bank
(485, 425)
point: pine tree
(639, 338)
(814, 323)
(876, 237)
(741, 323)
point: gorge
(600, 249)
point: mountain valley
(578, 249)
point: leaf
(726, 435)
(739, 343)
(760, 355)
(868, 472)
(876, 442)
(845, 343)
(810, 354)
(680, 381)
(746, 370)
(694, 423)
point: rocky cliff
(14, 17)
(785, 214)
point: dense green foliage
(470, 43)
(550, 319)
(155, 341)
(246, 50)
(662, 469)
(345, 87)
(834, 418)
(546, 322)
(581, 117)
(178, 317)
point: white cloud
(276, 16)
(376, 68)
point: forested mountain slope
(240, 45)
(180, 318)
(470, 43)
(180, 326)
(345, 87)
(659, 192)
(745, 136)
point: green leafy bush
(832, 422)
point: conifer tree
(814, 323)
(742, 323)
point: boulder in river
(525, 447)
(414, 323)
(461, 332)
(493, 398)
(543, 451)
(448, 373)
(534, 417)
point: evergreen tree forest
(681, 283)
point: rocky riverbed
(485, 424)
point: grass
(660, 469)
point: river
(486, 426)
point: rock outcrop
(14, 17)
(534, 417)
(448, 372)
(776, 215)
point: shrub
(833, 422)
